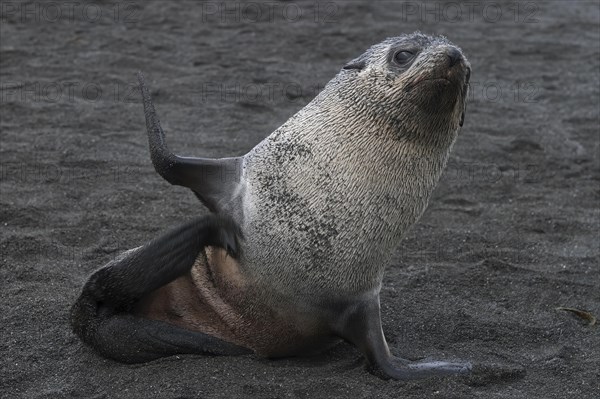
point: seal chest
(334, 189)
(315, 211)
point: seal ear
(357, 63)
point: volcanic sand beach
(510, 234)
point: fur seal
(321, 204)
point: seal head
(417, 81)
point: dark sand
(510, 234)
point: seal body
(321, 203)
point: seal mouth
(453, 76)
(438, 79)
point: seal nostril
(454, 56)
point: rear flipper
(102, 317)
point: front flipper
(360, 324)
(102, 316)
(215, 182)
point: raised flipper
(102, 316)
(215, 182)
(360, 324)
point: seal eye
(402, 57)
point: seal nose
(454, 55)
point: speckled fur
(331, 192)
